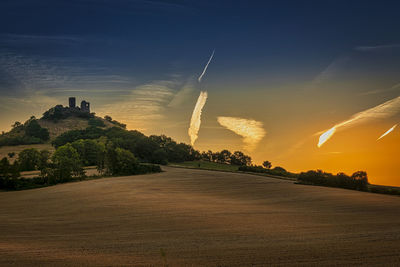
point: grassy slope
(71, 123)
(205, 165)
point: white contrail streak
(205, 68)
(387, 132)
(195, 121)
(252, 131)
(384, 110)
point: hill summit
(55, 121)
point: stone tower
(72, 102)
(85, 106)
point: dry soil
(186, 217)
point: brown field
(197, 218)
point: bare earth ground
(197, 218)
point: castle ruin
(85, 106)
(72, 102)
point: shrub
(28, 159)
(9, 174)
(277, 171)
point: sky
(282, 73)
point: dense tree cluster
(22, 134)
(67, 163)
(226, 157)
(153, 149)
(357, 181)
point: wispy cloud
(23, 73)
(181, 97)
(376, 47)
(395, 87)
(384, 110)
(18, 40)
(331, 70)
(195, 121)
(252, 131)
(145, 106)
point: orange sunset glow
(199, 133)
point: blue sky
(297, 67)
(146, 40)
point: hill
(186, 217)
(55, 121)
(73, 123)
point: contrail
(387, 132)
(384, 110)
(195, 121)
(252, 131)
(205, 68)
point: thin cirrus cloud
(376, 47)
(24, 73)
(252, 131)
(395, 87)
(144, 106)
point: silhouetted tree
(16, 124)
(239, 158)
(267, 164)
(361, 180)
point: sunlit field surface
(187, 217)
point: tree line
(114, 151)
(158, 149)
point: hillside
(185, 217)
(55, 121)
(71, 123)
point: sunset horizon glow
(305, 86)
